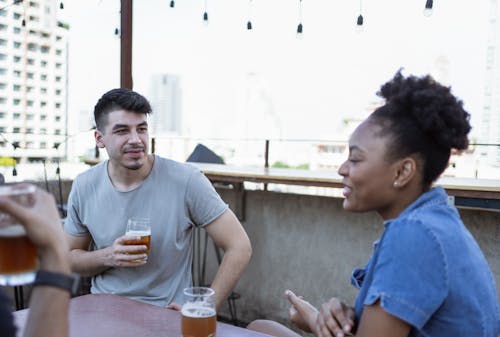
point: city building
(166, 102)
(33, 80)
(490, 122)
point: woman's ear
(406, 171)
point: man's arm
(90, 263)
(229, 235)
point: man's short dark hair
(119, 99)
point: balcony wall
(310, 245)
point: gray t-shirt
(175, 196)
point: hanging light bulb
(249, 22)
(23, 23)
(172, 4)
(359, 23)
(117, 32)
(299, 30)
(15, 145)
(205, 14)
(428, 8)
(299, 26)
(61, 5)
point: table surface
(107, 315)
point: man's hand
(302, 313)
(335, 319)
(174, 306)
(126, 251)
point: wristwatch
(58, 280)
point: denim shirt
(428, 270)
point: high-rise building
(166, 102)
(33, 80)
(490, 121)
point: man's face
(125, 138)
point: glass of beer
(18, 261)
(141, 228)
(198, 312)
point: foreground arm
(229, 235)
(90, 263)
(49, 305)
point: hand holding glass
(141, 228)
(198, 312)
(18, 259)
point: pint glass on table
(17, 253)
(198, 313)
(141, 228)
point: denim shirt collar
(436, 195)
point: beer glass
(18, 261)
(139, 227)
(198, 312)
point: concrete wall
(310, 245)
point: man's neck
(124, 179)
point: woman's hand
(302, 314)
(335, 319)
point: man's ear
(405, 171)
(99, 139)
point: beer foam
(138, 233)
(12, 231)
(195, 310)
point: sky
(267, 83)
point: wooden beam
(126, 44)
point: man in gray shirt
(176, 197)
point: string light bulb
(205, 15)
(300, 28)
(117, 32)
(15, 145)
(249, 22)
(360, 19)
(23, 23)
(61, 5)
(428, 8)
(172, 3)
(359, 23)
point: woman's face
(368, 176)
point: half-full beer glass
(18, 260)
(141, 228)
(198, 312)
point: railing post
(266, 163)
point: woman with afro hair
(426, 276)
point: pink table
(107, 315)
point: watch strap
(58, 280)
